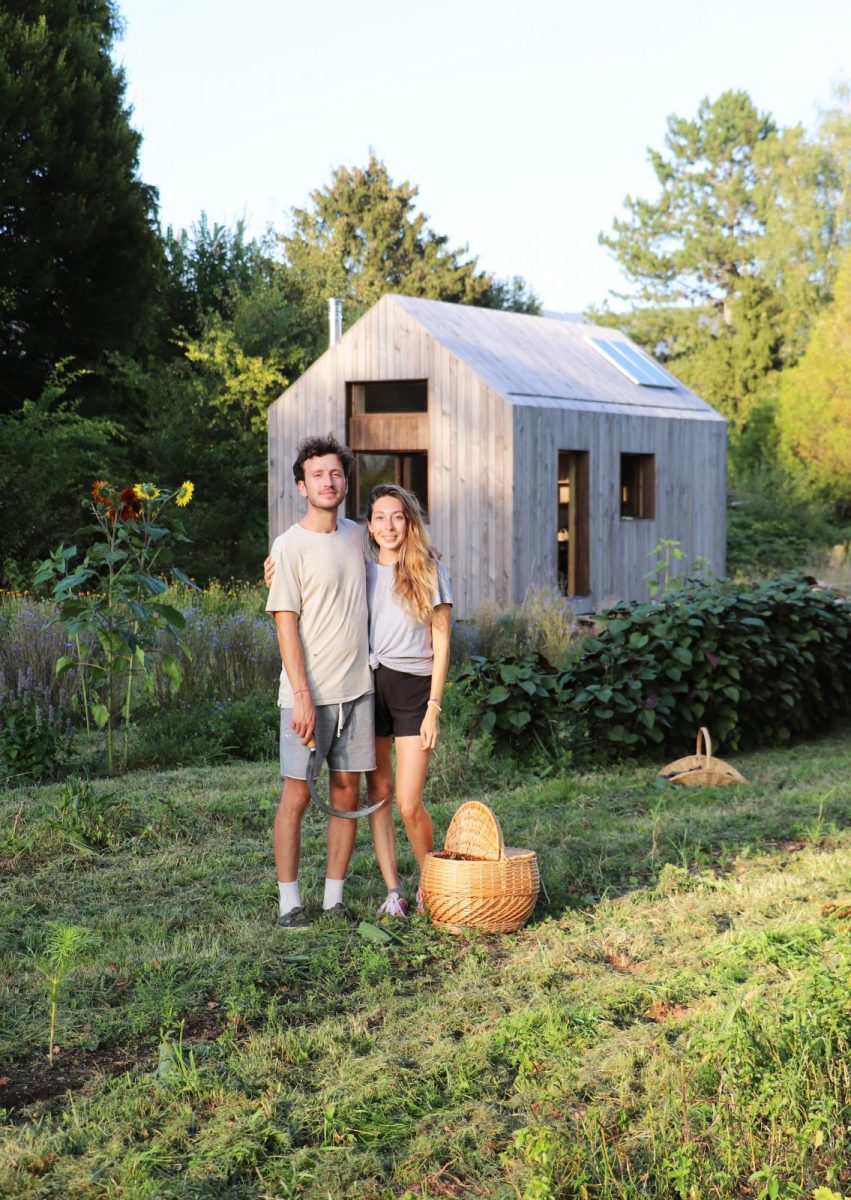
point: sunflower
(98, 491)
(131, 505)
(146, 491)
(185, 493)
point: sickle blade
(310, 777)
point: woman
(409, 600)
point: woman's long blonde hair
(416, 567)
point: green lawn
(673, 1022)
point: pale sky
(524, 124)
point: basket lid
(474, 832)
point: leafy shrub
(775, 528)
(232, 655)
(520, 704)
(758, 664)
(203, 733)
(35, 739)
(252, 727)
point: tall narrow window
(638, 486)
(573, 523)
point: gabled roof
(541, 361)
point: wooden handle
(703, 736)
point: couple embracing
(363, 630)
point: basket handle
(703, 736)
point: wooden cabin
(544, 451)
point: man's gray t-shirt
(396, 639)
(320, 576)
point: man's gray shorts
(344, 736)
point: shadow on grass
(604, 833)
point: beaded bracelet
(436, 705)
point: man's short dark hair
(318, 447)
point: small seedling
(64, 949)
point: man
(318, 598)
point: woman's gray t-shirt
(396, 640)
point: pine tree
(78, 241)
(363, 236)
(737, 253)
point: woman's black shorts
(400, 702)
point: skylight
(631, 362)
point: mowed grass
(673, 1022)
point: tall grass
(232, 648)
(233, 652)
(232, 655)
(545, 623)
(29, 647)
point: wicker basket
(701, 769)
(477, 880)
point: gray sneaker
(296, 918)
(338, 913)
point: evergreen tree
(699, 238)
(737, 253)
(207, 268)
(362, 237)
(78, 243)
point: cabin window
(407, 470)
(396, 396)
(572, 523)
(638, 486)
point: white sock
(289, 897)
(333, 892)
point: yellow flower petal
(184, 495)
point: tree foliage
(78, 244)
(814, 415)
(50, 452)
(208, 267)
(698, 239)
(737, 252)
(362, 236)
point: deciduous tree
(814, 416)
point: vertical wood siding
(690, 464)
